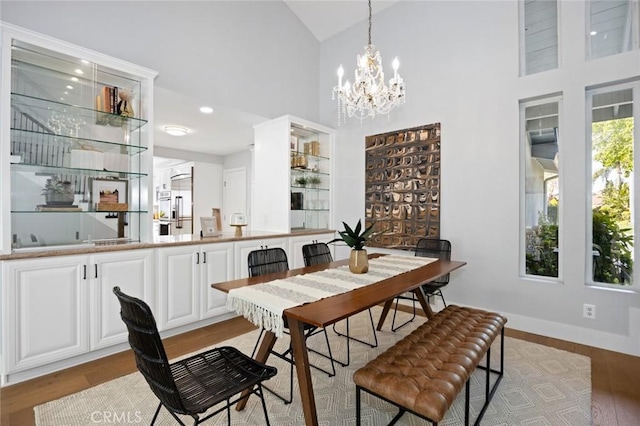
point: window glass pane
(540, 35)
(541, 188)
(612, 158)
(613, 27)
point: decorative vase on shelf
(58, 193)
(359, 261)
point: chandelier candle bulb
(340, 74)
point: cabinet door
(46, 304)
(243, 248)
(296, 260)
(132, 272)
(177, 275)
(217, 266)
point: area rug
(541, 386)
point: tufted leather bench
(424, 372)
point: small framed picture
(293, 143)
(209, 227)
(109, 195)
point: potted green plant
(314, 181)
(58, 192)
(358, 260)
(302, 181)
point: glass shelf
(309, 188)
(309, 156)
(43, 109)
(55, 170)
(298, 171)
(22, 138)
(75, 212)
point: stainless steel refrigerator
(182, 204)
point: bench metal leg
(467, 401)
(491, 390)
(358, 417)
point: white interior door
(234, 194)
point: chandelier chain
(369, 21)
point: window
(612, 27)
(538, 36)
(611, 215)
(540, 187)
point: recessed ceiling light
(70, 87)
(84, 61)
(176, 130)
(79, 71)
(206, 110)
(594, 32)
(74, 79)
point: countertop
(158, 241)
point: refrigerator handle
(179, 212)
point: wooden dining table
(327, 311)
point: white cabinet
(243, 248)
(132, 271)
(296, 260)
(217, 266)
(292, 187)
(177, 297)
(45, 311)
(185, 275)
(59, 307)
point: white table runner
(263, 304)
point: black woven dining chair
(315, 254)
(427, 247)
(268, 261)
(193, 385)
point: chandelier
(369, 94)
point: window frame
(522, 40)
(524, 144)
(635, 183)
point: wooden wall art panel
(403, 186)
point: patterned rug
(541, 386)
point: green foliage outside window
(612, 233)
(613, 262)
(541, 251)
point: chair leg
(393, 328)
(329, 357)
(373, 328)
(264, 406)
(155, 416)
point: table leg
(268, 340)
(301, 357)
(423, 302)
(385, 311)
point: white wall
(255, 56)
(460, 65)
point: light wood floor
(615, 377)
